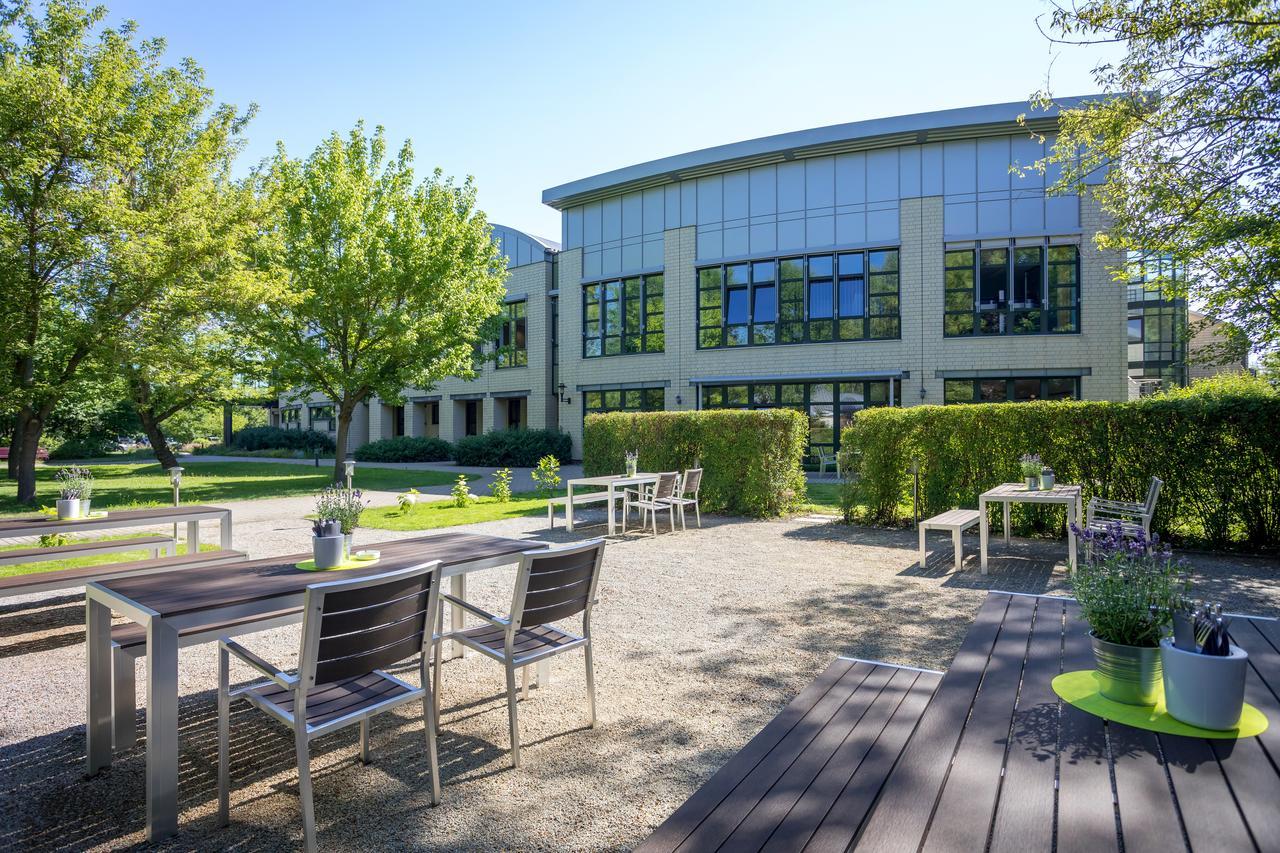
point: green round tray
(310, 565)
(1080, 689)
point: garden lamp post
(350, 466)
(175, 480)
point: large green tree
(1188, 142)
(385, 283)
(107, 159)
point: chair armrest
(268, 669)
(471, 608)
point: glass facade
(623, 400)
(829, 406)
(1157, 325)
(1015, 390)
(512, 346)
(1011, 290)
(849, 296)
(623, 317)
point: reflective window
(511, 348)
(1018, 389)
(999, 290)
(623, 317)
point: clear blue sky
(525, 96)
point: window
(1017, 390)
(624, 400)
(397, 425)
(555, 330)
(1018, 290)
(290, 418)
(850, 296)
(512, 346)
(321, 414)
(623, 317)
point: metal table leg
(1071, 539)
(98, 732)
(611, 520)
(162, 729)
(224, 530)
(568, 509)
(1006, 505)
(455, 614)
(984, 532)
(193, 537)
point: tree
(1189, 142)
(105, 167)
(384, 283)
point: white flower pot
(68, 508)
(84, 506)
(1206, 691)
(327, 550)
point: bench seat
(810, 778)
(954, 520)
(91, 548)
(81, 575)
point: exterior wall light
(349, 465)
(563, 398)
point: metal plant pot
(1204, 690)
(1128, 674)
(1047, 480)
(348, 542)
(331, 528)
(631, 469)
(328, 550)
(68, 508)
(1033, 483)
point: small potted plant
(1204, 671)
(1030, 464)
(633, 460)
(1047, 478)
(1127, 591)
(348, 503)
(327, 541)
(70, 493)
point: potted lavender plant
(633, 460)
(1030, 464)
(327, 542)
(1204, 671)
(71, 489)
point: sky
(525, 96)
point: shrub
(405, 449)
(273, 438)
(269, 453)
(547, 475)
(83, 448)
(521, 448)
(461, 492)
(1218, 453)
(751, 459)
(500, 488)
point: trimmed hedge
(271, 438)
(1218, 453)
(405, 448)
(521, 448)
(750, 458)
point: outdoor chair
(687, 495)
(551, 585)
(661, 496)
(351, 630)
(1131, 517)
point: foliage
(204, 420)
(341, 505)
(82, 448)
(547, 475)
(521, 448)
(75, 483)
(1128, 588)
(1188, 143)
(461, 492)
(405, 448)
(406, 500)
(1030, 464)
(751, 459)
(500, 488)
(267, 453)
(429, 515)
(382, 282)
(1217, 453)
(268, 438)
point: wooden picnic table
(613, 482)
(190, 515)
(1011, 493)
(169, 603)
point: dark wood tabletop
(21, 525)
(196, 589)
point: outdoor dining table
(255, 594)
(613, 482)
(1011, 493)
(191, 515)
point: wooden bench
(155, 544)
(587, 498)
(81, 575)
(955, 520)
(810, 778)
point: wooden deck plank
(734, 808)
(766, 815)
(1149, 816)
(848, 812)
(1209, 813)
(1086, 807)
(906, 804)
(1024, 814)
(962, 819)
(675, 829)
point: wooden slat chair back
(661, 497)
(364, 628)
(691, 483)
(556, 586)
(687, 495)
(1153, 495)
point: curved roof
(521, 247)
(918, 128)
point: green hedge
(405, 448)
(271, 438)
(521, 448)
(750, 459)
(1217, 453)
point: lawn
(427, 516)
(141, 484)
(75, 562)
(823, 498)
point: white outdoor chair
(687, 495)
(551, 585)
(1131, 517)
(351, 631)
(661, 496)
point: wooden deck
(997, 762)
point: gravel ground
(701, 638)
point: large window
(1010, 390)
(290, 418)
(321, 414)
(1157, 325)
(1011, 290)
(511, 346)
(624, 400)
(623, 317)
(849, 296)
(829, 406)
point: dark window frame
(647, 399)
(508, 351)
(647, 293)
(1010, 386)
(1056, 311)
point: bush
(275, 438)
(405, 449)
(521, 448)
(83, 448)
(269, 453)
(750, 459)
(1217, 451)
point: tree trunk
(33, 426)
(15, 444)
(344, 425)
(159, 444)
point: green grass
(427, 516)
(140, 484)
(823, 498)
(76, 562)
